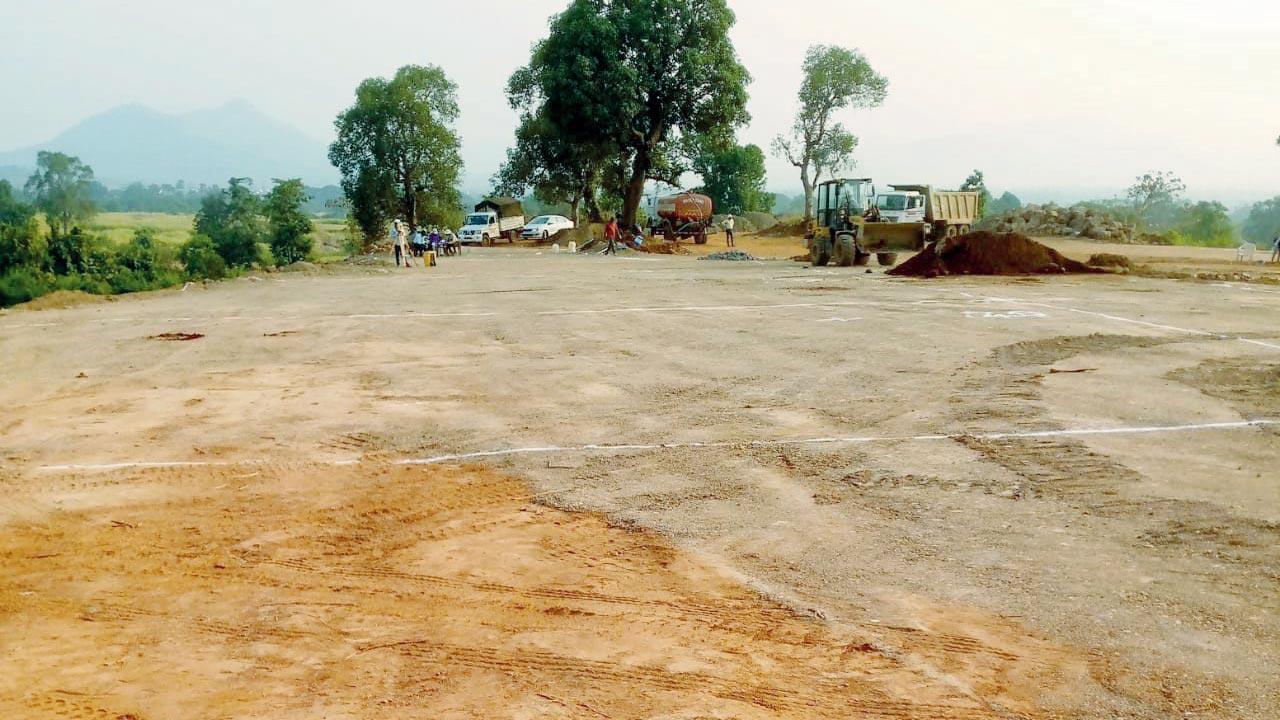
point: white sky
(1069, 97)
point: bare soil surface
(806, 493)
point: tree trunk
(635, 188)
(808, 194)
(593, 205)
(411, 206)
(574, 206)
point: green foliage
(734, 178)
(545, 161)
(1003, 205)
(68, 253)
(977, 182)
(835, 78)
(398, 152)
(21, 244)
(1207, 223)
(1263, 224)
(634, 81)
(230, 218)
(200, 259)
(1155, 199)
(61, 188)
(288, 226)
(19, 284)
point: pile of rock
(730, 255)
(1053, 221)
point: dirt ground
(533, 485)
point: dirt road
(1015, 497)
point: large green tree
(545, 161)
(1207, 223)
(1263, 224)
(835, 78)
(733, 177)
(230, 218)
(287, 225)
(639, 79)
(61, 187)
(397, 150)
(1155, 198)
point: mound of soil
(662, 248)
(1109, 260)
(984, 253)
(794, 228)
(59, 299)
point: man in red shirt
(611, 236)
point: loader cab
(901, 206)
(842, 202)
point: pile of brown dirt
(1110, 260)
(984, 253)
(59, 299)
(663, 248)
(794, 228)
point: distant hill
(134, 143)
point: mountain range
(135, 143)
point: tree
(287, 225)
(1155, 196)
(1207, 223)
(230, 219)
(397, 149)
(976, 182)
(21, 244)
(734, 178)
(1003, 205)
(637, 79)
(201, 260)
(834, 79)
(1263, 223)
(61, 187)
(545, 161)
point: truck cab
(901, 206)
(480, 228)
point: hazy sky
(1075, 96)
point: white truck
(493, 218)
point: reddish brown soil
(984, 253)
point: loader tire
(817, 257)
(845, 252)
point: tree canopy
(636, 82)
(835, 78)
(398, 152)
(1263, 223)
(287, 225)
(977, 182)
(61, 187)
(1155, 197)
(734, 178)
(230, 219)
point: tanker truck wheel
(700, 238)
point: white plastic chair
(1244, 253)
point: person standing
(611, 236)
(728, 231)
(1275, 249)
(397, 241)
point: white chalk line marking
(604, 447)
(1132, 321)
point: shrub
(68, 253)
(20, 284)
(21, 245)
(200, 258)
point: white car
(544, 226)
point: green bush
(200, 258)
(22, 245)
(68, 253)
(20, 284)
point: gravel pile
(732, 255)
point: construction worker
(611, 236)
(728, 231)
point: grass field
(176, 229)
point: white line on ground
(850, 440)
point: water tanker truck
(683, 216)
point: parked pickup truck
(493, 218)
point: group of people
(408, 245)
(613, 234)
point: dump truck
(493, 218)
(854, 221)
(683, 216)
(909, 216)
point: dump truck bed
(956, 207)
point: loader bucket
(892, 236)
